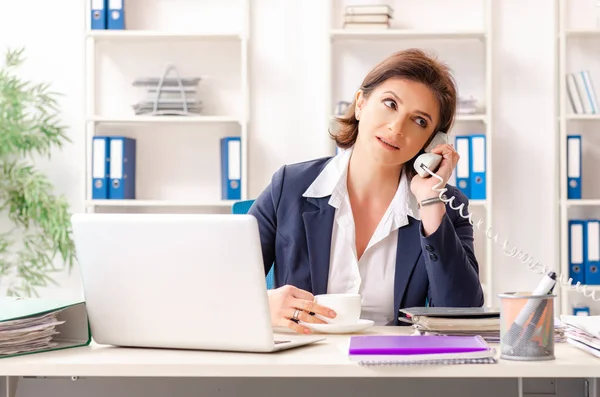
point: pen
(545, 286)
(534, 322)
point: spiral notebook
(420, 350)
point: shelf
(406, 33)
(158, 35)
(582, 203)
(459, 117)
(164, 119)
(588, 287)
(477, 202)
(582, 32)
(583, 117)
(472, 117)
(158, 203)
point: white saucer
(339, 329)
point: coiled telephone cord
(525, 258)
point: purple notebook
(409, 345)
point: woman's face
(396, 121)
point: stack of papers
(488, 328)
(583, 332)
(33, 325)
(491, 336)
(455, 321)
(28, 334)
(481, 321)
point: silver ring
(296, 313)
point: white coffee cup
(346, 306)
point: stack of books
(368, 16)
(583, 332)
(168, 95)
(581, 93)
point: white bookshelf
(578, 41)
(202, 39)
(436, 32)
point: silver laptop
(184, 281)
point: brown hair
(413, 64)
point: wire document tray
(172, 96)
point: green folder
(74, 332)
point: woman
(364, 221)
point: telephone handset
(427, 164)
(428, 159)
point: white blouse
(373, 275)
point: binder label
(116, 152)
(573, 158)
(234, 150)
(478, 154)
(593, 241)
(577, 243)
(99, 157)
(462, 168)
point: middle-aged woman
(363, 221)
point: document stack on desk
(455, 321)
(33, 325)
(462, 321)
(583, 332)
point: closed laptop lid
(174, 280)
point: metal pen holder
(526, 327)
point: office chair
(242, 207)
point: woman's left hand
(421, 187)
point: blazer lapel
(407, 255)
(318, 226)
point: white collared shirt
(373, 275)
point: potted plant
(35, 227)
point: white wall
(289, 105)
(52, 37)
(525, 150)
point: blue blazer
(295, 234)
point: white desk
(324, 359)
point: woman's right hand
(289, 305)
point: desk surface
(327, 358)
